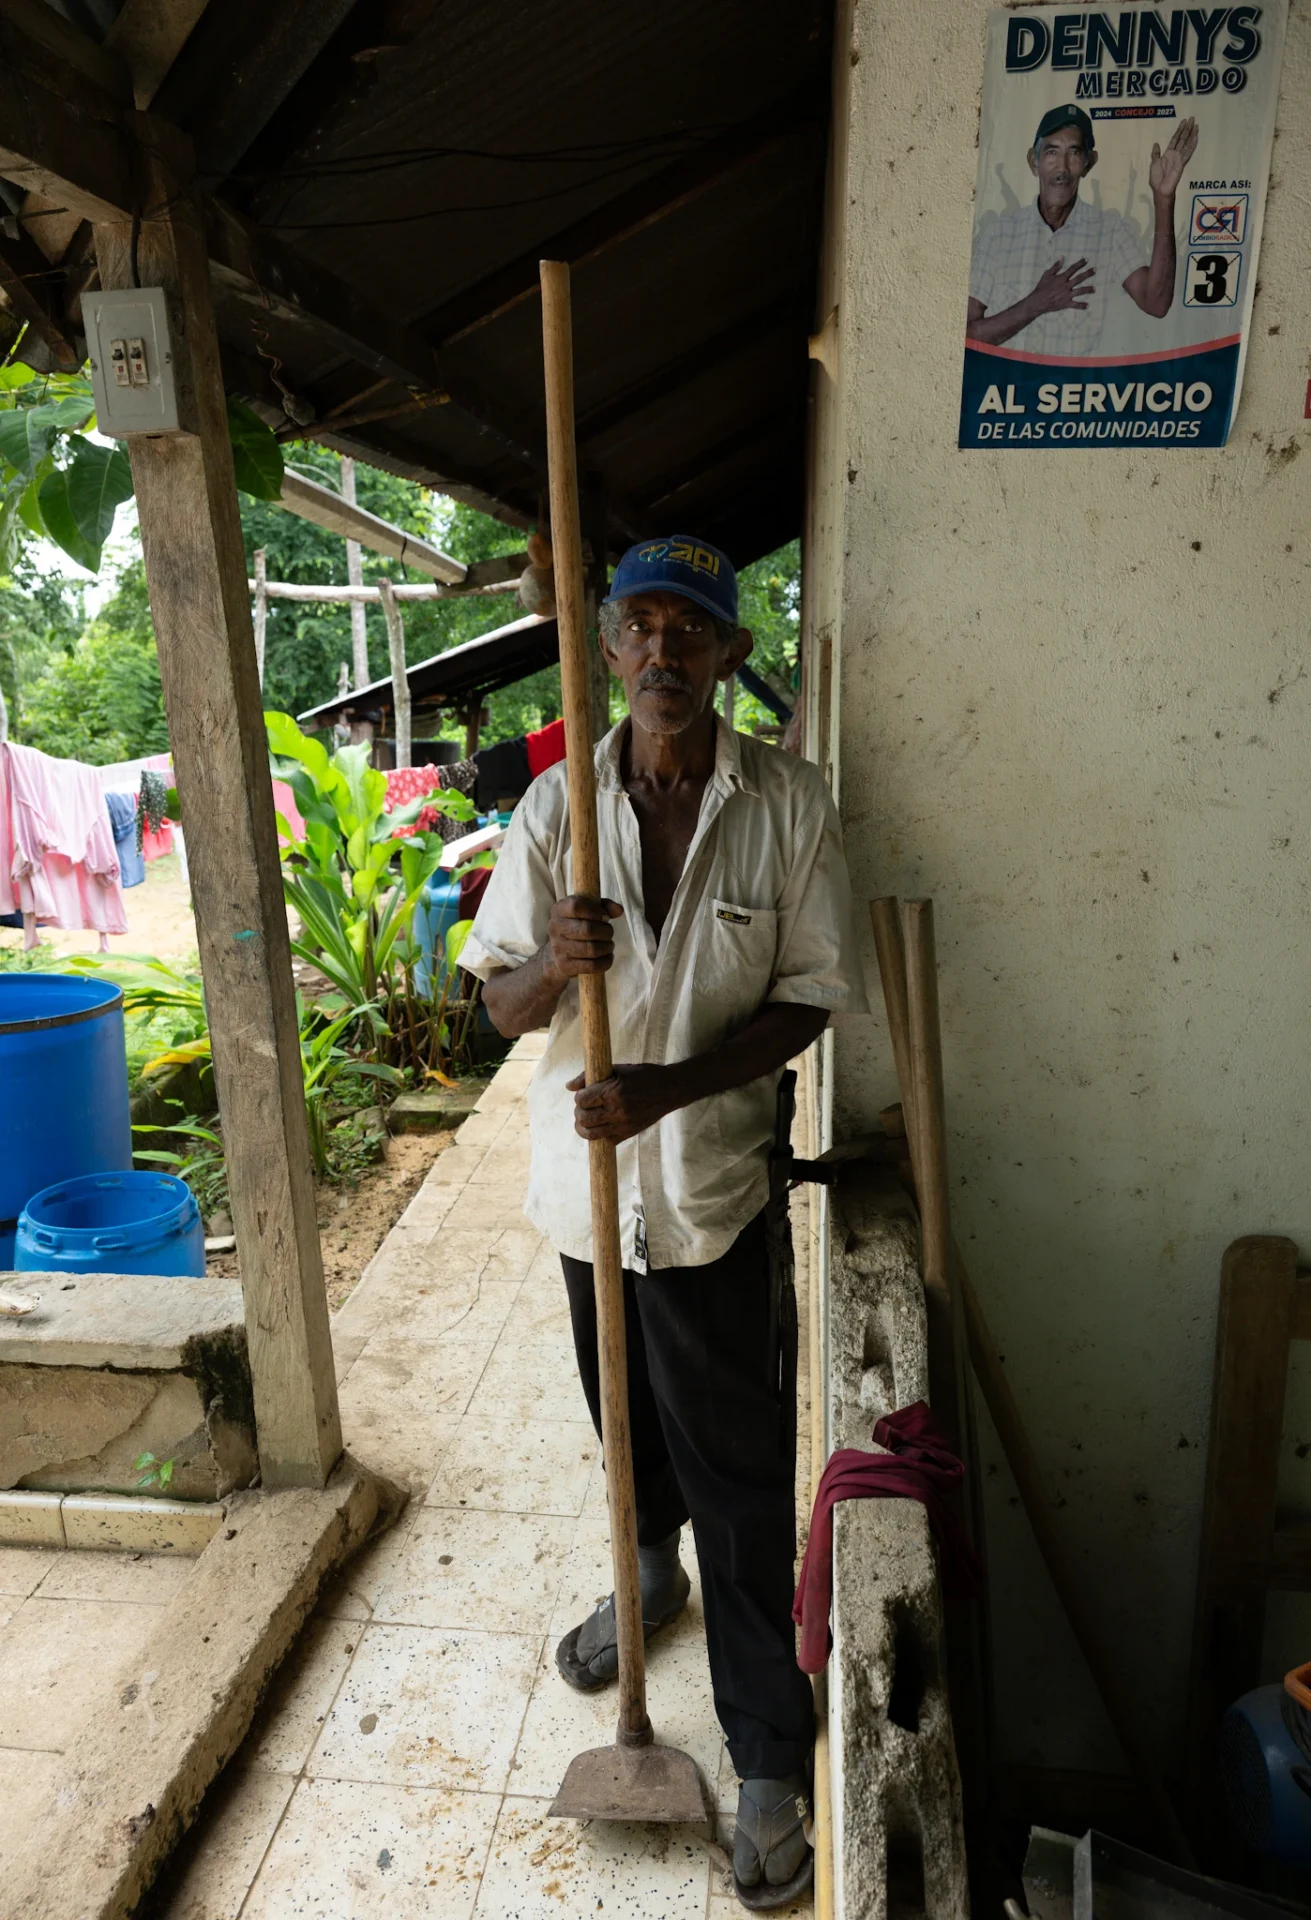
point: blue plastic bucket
(112, 1223)
(1266, 1778)
(63, 1087)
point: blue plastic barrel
(63, 1087)
(112, 1223)
(437, 912)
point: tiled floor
(406, 1759)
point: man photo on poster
(1042, 274)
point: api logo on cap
(700, 559)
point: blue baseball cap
(683, 565)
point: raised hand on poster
(1061, 286)
(1167, 169)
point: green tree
(769, 598)
(306, 644)
(41, 616)
(100, 700)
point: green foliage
(61, 486)
(333, 1074)
(15, 958)
(305, 645)
(154, 1472)
(256, 454)
(769, 597)
(40, 617)
(100, 700)
(78, 501)
(355, 887)
(202, 1165)
(41, 420)
(163, 1009)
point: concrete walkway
(406, 1761)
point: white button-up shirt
(761, 913)
(1012, 254)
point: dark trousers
(714, 1443)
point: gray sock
(660, 1576)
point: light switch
(131, 349)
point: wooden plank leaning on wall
(196, 573)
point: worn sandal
(772, 1858)
(588, 1656)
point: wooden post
(1258, 1289)
(729, 686)
(566, 546)
(355, 574)
(400, 675)
(196, 574)
(596, 583)
(929, 1152)
(473, 719)
(261, 609)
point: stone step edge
(108, 1522)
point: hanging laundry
(503, 773)
(545, 747)
(152, 804)
(123, 823)
(63, 868)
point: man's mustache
(658, 679)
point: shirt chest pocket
(735, 960)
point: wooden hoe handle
(607, 1261)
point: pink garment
(284, 801)
(63, 866)
(8, 898)
(405, 784)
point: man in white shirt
(1042, 275)
(728, 937)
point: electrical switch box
(131, 352)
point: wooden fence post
(400, 679)
(355, 574)
(200, 603)
(261, 609)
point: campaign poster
(1123, 158)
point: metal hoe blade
(632, 1783)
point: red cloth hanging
(545, 747)
(918, 1466)
(472, 888)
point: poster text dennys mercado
(1129, 56)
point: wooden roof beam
(238, 66)
(62, 101)
(706, 462)
(618, 220)
(149, 35)
(27, 280)
(689, 366)
(310, 500)
(249, 264)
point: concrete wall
(1068, 694)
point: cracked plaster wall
(1070, 700)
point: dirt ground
(354, 1224)
(159, 920)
